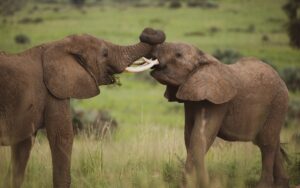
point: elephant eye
(178, 55)
(105, 53)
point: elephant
(37, 85)
(243, 101)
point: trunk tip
(152, 36)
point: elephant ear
(212, 81)
(66, 75)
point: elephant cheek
(155, 74)
(159, 76)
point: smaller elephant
(36, 87)
(244, 101)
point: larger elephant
(244, 101)
(36, 87)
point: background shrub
(202, 4)
(175, 4)
(93, 123)
(78, 3)
(227, 56)
(22, 39)
(291, 76)
(294, 110)
(9, 7)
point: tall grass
(152, 158)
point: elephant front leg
(195, 150)
(207, 122)
(196, 172)
(60, 135)
(20, 153)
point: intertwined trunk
(125, 55)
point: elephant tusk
(148, 63)
(139, 62)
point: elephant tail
(284, 154)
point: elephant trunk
(126, 55)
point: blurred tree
(9, 7)
(291, 8)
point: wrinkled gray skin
(245, 101)
(36, 87)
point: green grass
(152, 157)
(148, 149)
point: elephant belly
(248, 111)
(20, 114)
(244, 122)
(17, 126)
(20, 111)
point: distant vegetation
(22, 39)
(78, 3)
(9, 7)
(291, 76)
(227, 56)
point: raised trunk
(124, 56)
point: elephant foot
(282, 183)
(263, 184)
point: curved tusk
(139, 62)
(147, 65)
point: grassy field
(147, 150)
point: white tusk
(147, 65)
(139, 62)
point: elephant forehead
(172, 48)
(180, 46)
(85, 41)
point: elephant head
(191, 75)
(75, 66)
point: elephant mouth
(142, 65)
(109, 77)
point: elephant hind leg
(268, 158)
(281, 178)
(20, 153)
(269, 137)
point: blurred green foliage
(227, 56)
(291, 76)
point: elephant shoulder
(253, 67)
(248, 62)
(257, 78)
